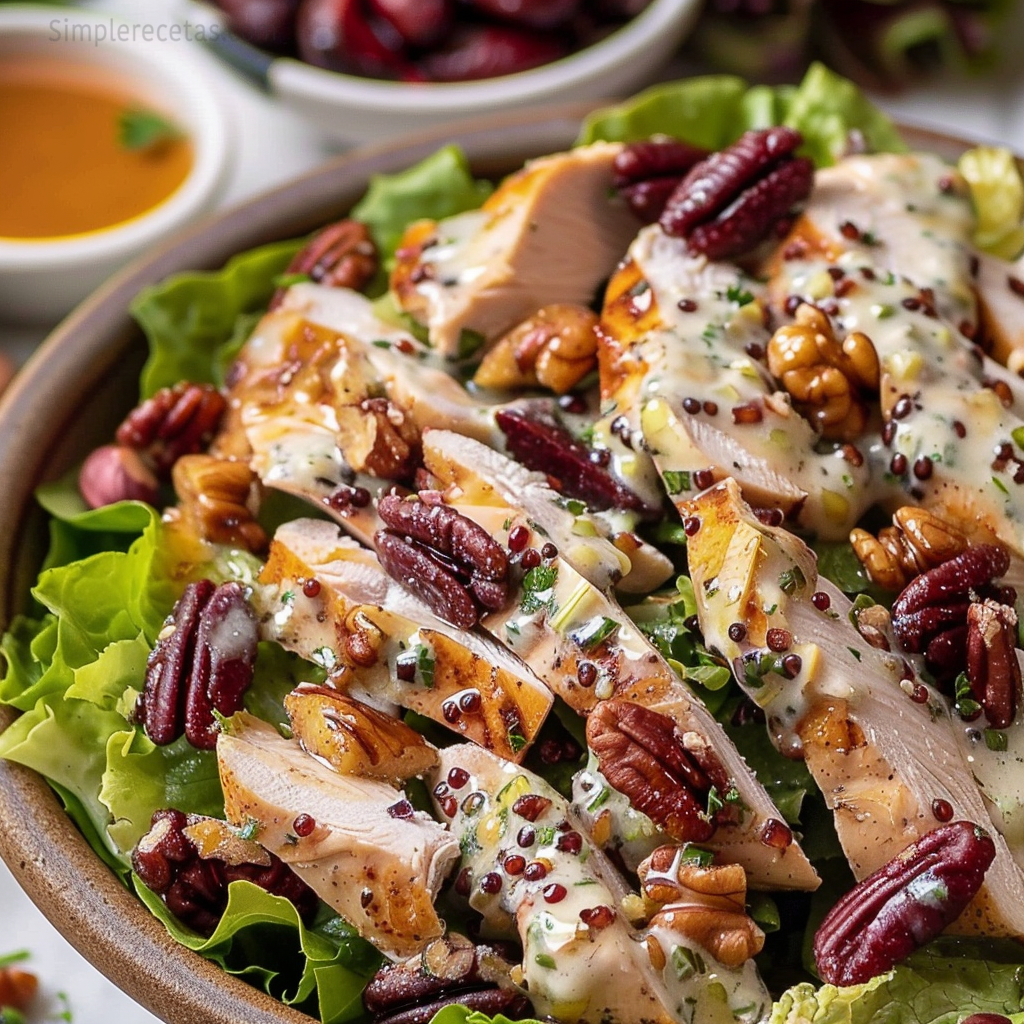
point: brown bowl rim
(41, 845)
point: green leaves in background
(196, 322)
(715, 110)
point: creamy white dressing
(571, 969)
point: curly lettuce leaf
(439, 186)
(196, 322)
(715, 110)
(463, 1015)
(937, 985)
(262, 938)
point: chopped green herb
(9, 1015)
(691, 854)
(738, 294)
(144, 129)
(715, 802)
(291, 840)
(639, 288)
(573, 505)
(507, 524)
(792, 580)
(586, 881)
(854, 652)
(676, 480)
(516, 741)
(545, 960)
(538, 584)
(17, 957)
(999, 483)
(381, 343)
(995, 739)
(425, 664)
(687, 962)
(593, 632)
(1018, 436)
(600, 800)
(965, 704)
(288, 597)
(250, 830)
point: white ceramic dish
(42, 280)
(349, 109)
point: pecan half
(706, 905)
(542, 444)
(930, 615)
(903, 905)
(667, 775)
(646, 173)
(379, 438)
(17, 989)
(729, 202)
(173, 861)
(217, 498)
(555, 348)
(341, 255)
(828, 379)
(917, 541)
(203, 662)
(992, 667)
(443, 557)
(174, 422)
(450, 970)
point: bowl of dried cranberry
(367, 70)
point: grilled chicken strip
(552, 232)
(884, 761)
(384, 646)
(380, 871)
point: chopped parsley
(593, 632)
(738, 294)
(287, 280)
(966, 706)
(792, 580)
(250, 830)
(516, 740)
(995, 739)
(538, 589)
(545, 960)
(676, 480)
(425, 664)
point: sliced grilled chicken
(380, 871)
(1001, 308)
(387, 648)
(884, 761)
(583, 645)
(550, 233)
(885, 242)
(680, 338)
(528, 872)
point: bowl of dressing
(111, 141)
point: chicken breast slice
(379, 872)
(601, 973)
(881, 758)
(386, 647)
(552, 232)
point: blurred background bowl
(351, 109)
(41, 279)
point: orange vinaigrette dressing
(63, 168)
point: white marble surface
(273, 146)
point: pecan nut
(379, 438)
(728, 203)
(174, 422)
(17, 989)
(992, 667)
(903, 905)
(666, 774)
(217, 497)
(542, 444)
(174, 862)
(646, 173)
(443, 557)
(827, 379)
(203, 662)
(555, 348)
(930, 614)
(917, 541)
(704, 904)
(450, 970)
(341, 255)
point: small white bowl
(40, 280)
(350, 109)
